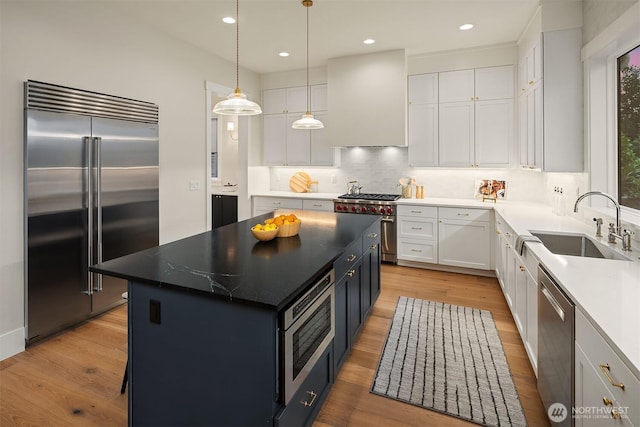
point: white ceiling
(337, 27)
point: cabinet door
(341, 338)
(297, 99)
(510, 280)
(464, 244)
(298, 145)
(322, 154)
(275, 139)
(532, 321)
(423, 134)
(520, 312)
(354, 297)
(423, 89)
(456, 134)
(494, 83)
(274, 101)
(493, 132)
(456, 86)
(319, 101)
(229, 209)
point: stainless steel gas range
(374, 204)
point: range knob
(382, 210)
(373, 210)
(363, 209)
(390, 211)
(338, 208)
(353, 208)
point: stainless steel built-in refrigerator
(91, 195)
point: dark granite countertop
(230, 263)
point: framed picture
(490, 188)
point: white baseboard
(12, 343)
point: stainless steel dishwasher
(556, 314)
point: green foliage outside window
(629, 129)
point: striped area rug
(449, 359)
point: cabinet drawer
(417, 228)
(417, 211)
(371, 237)
(348, 259)
(305, 404)
(503, 228)
(465, 214)
(601, 355)
(317, 205)
(276, 203)
(418, 250)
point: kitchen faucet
(614, 231)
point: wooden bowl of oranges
(288, 225)
(265, 232)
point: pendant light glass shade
(237, 103)
(307, 121)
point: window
(629, 129)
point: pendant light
(237, 103)
(307, 121)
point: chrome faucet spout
(608, 196)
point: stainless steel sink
(576, 244)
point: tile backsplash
(378, 170)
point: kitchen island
(207, 339)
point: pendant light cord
(308, 87)
(237, 44)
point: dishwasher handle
(556, 306)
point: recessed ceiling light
(465, 27)
(284, 54)
(228, 20)
(369, 41)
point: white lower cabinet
(317, 205)
(606, 390)
(464, 237)
(264, 204)
(418, 233)
(520, 287)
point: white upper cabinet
(423, 119)
(456, 86)
(285, 100)
(283, 145)
(476, 117)
(423, 89)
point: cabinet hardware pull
(416, 250)
(350, 273)
(463, 214)
(497, 231)
(615, 414)
(416, 228)
(373, 235)
(607, 401)
(507, 246)
(605, 368)
(276, 203)
(351, 258)
(522, 268)
(315, 205)
(416, 211)
(313, 399)
(530, 82)
(374, 247)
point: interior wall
(86, 45)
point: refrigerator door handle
(88, 149)
(97, 285)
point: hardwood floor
(74, 379)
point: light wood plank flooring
(74, 379)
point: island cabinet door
(195, 360)
(354, 290)
(306, 403)
(341, 338)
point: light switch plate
(194, 185)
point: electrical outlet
(194, 185)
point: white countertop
(606, 291)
